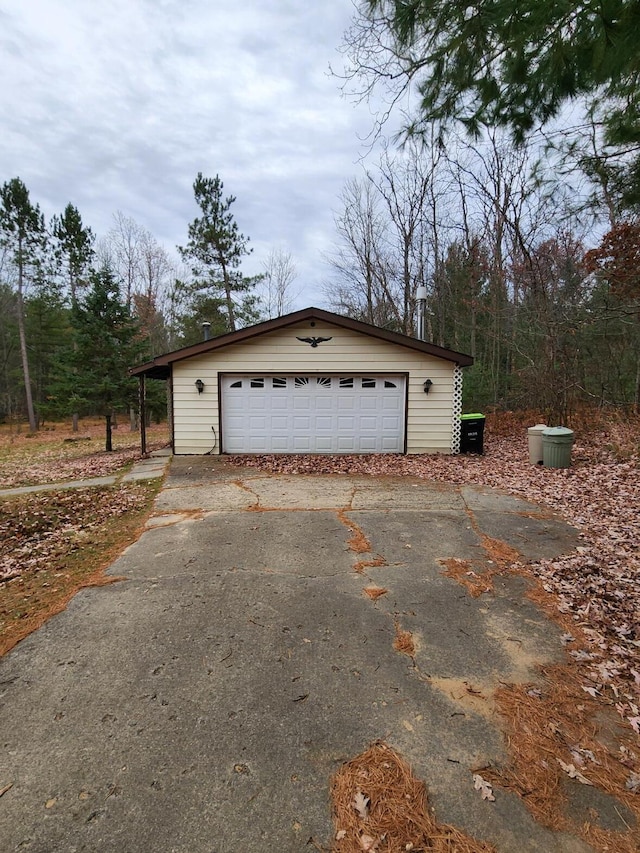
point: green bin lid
(473, 416)
(557, 432)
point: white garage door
(313, 414)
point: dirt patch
(477, 698)
(379, 805)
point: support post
(142, 415)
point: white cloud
(117, 106)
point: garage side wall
(429, 417)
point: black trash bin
(472, 437)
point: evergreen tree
(216, 247)
(73, 249)
(199, 309)
(9, 353)
(505, 63)
(23, 236)
(92, 376)
(48, 329)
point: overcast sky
(117, 105)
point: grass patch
(53, 544)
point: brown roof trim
(159, 368)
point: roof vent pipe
(421, 299)
(206, 331)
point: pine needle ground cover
(379, 805)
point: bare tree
(361, 283)
(410, 186)
(122, 247)
(143, 267)
(388, 238)
(276, 292)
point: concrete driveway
(202, 704)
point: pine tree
(503, 63)
(23, 236)
(216, 247)
(93, 376)
(73, 249)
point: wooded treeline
(76, 312)
(531, 266)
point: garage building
(312, 382)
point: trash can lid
(557, 431)
(472, 416)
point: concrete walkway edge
(149, 468)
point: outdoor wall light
(200, 385)
(427, 386)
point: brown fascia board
(306, 314)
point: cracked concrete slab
(397, 493)
(302, 492)
(221, 498)
(207, 698)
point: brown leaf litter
(379, 805)
(463, 573)
(358, 543)
(375, 592)
(404, 642)
(556, 734)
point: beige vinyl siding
(428, 417)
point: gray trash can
(556, 447)
(534, 435)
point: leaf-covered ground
(598, 586)
(54, 543)
(55, 453)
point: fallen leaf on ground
(633, 782)
(484, 787)
(361, 805)
(573, 773)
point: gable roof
(160, 367)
